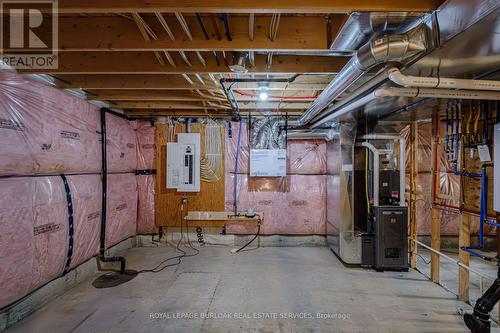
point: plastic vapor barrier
(305, 157)
(145, 133)
(146, 205)
(46, 132)
(121, 208)
(292, 205)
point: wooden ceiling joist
(121, 34)
(174, 82)
(254, 6)
(151, 95)
(146, 63)
(196, 106)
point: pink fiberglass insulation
(34, 229)
(145, 133)
(297, 208)
(16, 238)
(231, 144)
(333, 158)
(305, 157)
(86, 196)
(146, 206)
(50, 229)
(424, 155)
(121, 144)
(121, 207)
(45, 130)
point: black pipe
(104, 171)
(290, 80)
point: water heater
(183, 163)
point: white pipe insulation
(410, 81)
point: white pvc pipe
(454, 260)
(431, 82)
(408, 92)
(375, 171)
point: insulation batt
(146, 207)
(293, 206)
(121, 144)
(145, 133)
(45, 130)
(305, 157)
(121, 207)
(34, 229)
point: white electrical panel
(268, 162)
(183, 163)
(496, 166)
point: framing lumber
(231, 6)
(166, 82)
(194, 106)
(115, 33)
(464, 257)
(146, 63)
(435, 244)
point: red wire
(274, 96)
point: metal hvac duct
(360, 27)
(390, 48)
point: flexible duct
(391, 48)
(265, 134)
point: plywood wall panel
(168, 201)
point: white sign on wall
(267, 162)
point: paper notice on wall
(484, 153)
(268, 162)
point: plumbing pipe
(104, 177)
(402, 160)
(453, 260)
(374, 53)
(375, 171)
(410, 81)
(274, 96)
(407, 92)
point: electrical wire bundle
(211, 160)
(178, 259)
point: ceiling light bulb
(263, 96)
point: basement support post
(413, 193)
(464, 257)
(435, 244)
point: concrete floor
(448, 273)
(262, 287)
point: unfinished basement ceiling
(167, 60)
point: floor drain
(113, 279)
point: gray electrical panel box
(391, 238)
(496, 175)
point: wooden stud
(435, 244)
(413, 193)
(464, 257)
